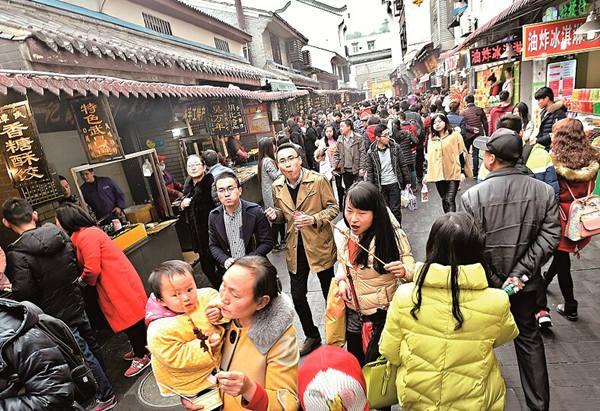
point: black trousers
(475, 154)
(209, 267)
(529, 348)
(391, 194)
(348, 179)
(340, 190)
(561, 265)
(299, 288)
(277, 232)
(137, 338)
(447, 190)
(354, 339)
(420, 159)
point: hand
(516, 281)
(462, 177)
(344, 291)
(302, 220)
(2, 261)
(179, 194)
(213, 314)
(235, 383)
(361, 172)
(214, 340)
(424, 179)
(476, 130)
(398, 269)
(189, 406)
(271, 214)
(118, 211)
(80, 282)
(185, 203)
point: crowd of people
(332, 184)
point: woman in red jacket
(576, 164)
(121, 295)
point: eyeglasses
(228, 190)
(287, 160)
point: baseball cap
(504, 144)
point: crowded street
(281, 205)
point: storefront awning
(515, 10)
(61, 84)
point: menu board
(97, 129)
(283, 110)
(301, 106)
(226, 117)
(236, 116)
(561, 78)
(258, 118)
(25, 160)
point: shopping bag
(412, 199)
(380, 379)
(404, 198)
(335, 317)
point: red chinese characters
(555, 38)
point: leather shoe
(310, 344)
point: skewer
(345, 234)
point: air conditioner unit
(468, 24)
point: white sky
(366, 16)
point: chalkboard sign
(97, 129)
(236, 116)
(226, 117)
(196, 113)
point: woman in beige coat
(444, 163)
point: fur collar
(583, 174)
(271, 323)
(557, 105)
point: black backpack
(60, 334)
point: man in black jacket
(33, 373)
(520, 219)
(552, 111)
(238, 227)
(42, 268)
(477, 125)
(387, 169)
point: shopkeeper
(102, 195)
(174, 188)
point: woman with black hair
(529, 131)
(268, 172)
(324, 155)
(442, 329)
(367, 281)
(444, 162)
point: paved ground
(572, 349)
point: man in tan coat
(304, 199)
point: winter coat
(121, 294)
(269, 173)
(553, 113)
(443, 157)
(196, 214)
(540, 164)
(369, 136)
(42, 266)
(399, 164)
(474, 118)
(580, 182)
(458, 122)
(33, 372)
(415, 118)
(324, 155)
(408, 142)
(315, 198)
(310, 141)
(441, 368)
(496, 114)
(519, 216)
(357, 152)
(178, 360)
(267, 353)
(374, 290)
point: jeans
(299, 288)
(391, 194)
(561, 265)
(84, 336)
(447, 190)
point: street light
(591, 27)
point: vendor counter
(248, 176)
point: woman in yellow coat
(442, 329)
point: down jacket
(33, 372)
(519, 216)
(42, 265)
(399, 164)
(555, 112)
(441, 368)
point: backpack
(61, 335)
(583, 220)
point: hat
(331, 379)
(161, 158)
(504, 144)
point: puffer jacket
(42, 265)
(496, 113)
(374, 290)
(519, 216)
(474, 119)
(555, 112)
(580, 183)
(441, 368)
(399, 164)
(407, 140)
(33, 372)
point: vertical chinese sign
(25, 160)
(236, 116)
(555, 38)
(97, 129)
(226, 117)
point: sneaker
(543, 319)
(310, 344)
(137, 366)
(108, 404)
(128, 356)
(571, 316)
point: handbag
(583, 220)
(380, 380)
(367, 326)
(335, 317)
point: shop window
(154, 23)
(275, 48)
(355, 48)
(221, 45)
(371, 45)
(246, 51)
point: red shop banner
(493, 53)
(555, 38)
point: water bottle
(512, 289)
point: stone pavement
(572, 349)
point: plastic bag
(407, 197)
(404, 198)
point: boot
(310, 344)
(568, 310)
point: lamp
(591, 27)
(509, 53)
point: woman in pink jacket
(121, 294)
